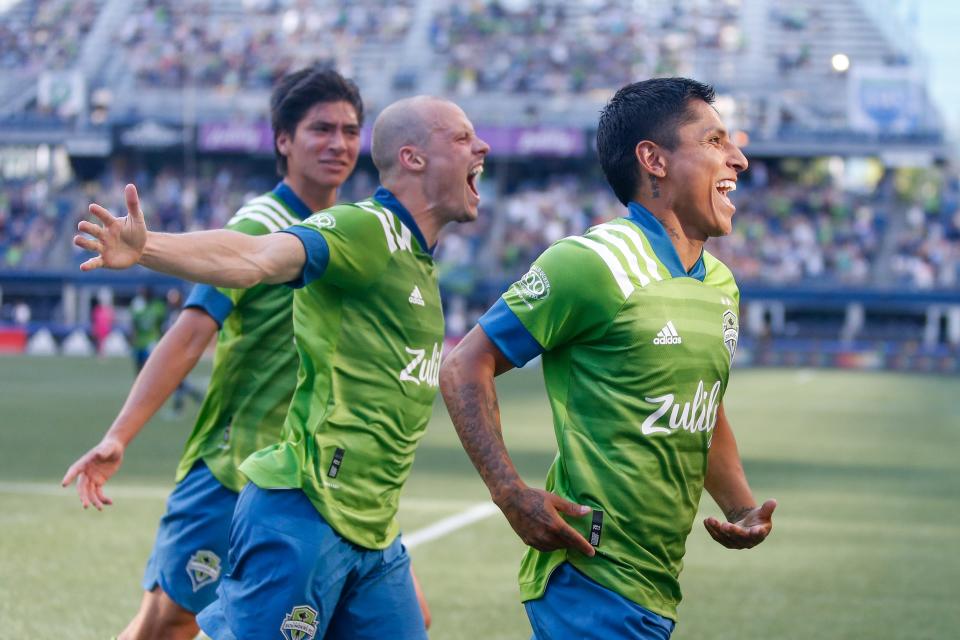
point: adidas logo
(668, 335)
(415, 297)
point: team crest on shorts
(299, 624)
(731, 331)
(534, 285)
(203, 568)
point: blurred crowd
(554, 48)
(45, 35)
(251, 43)
(785, 231)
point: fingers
(95, 230)
(83, 485)
(101, 214)
(104, 500)
(765, 513)
(570, 508)
(576, 542)
(91, 264)
(734, 536)
(90, 244)
(71, 474)
(133, 203)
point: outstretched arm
(173, 358)
(466, 381)
(747, 524)
(221, 258)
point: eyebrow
(720, 130)
(331, 123)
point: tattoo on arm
(476, 415)
(737, 513)
(654, 185)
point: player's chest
(406, 299)
(681, 323)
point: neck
(316, 198)
(410, 194)
(687, 241)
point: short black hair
(297, 92)
(647, 110)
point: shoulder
(720, 276)
(609, 258)
(261, 215)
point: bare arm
(747, 525)
(221, 258)
(173, 358)
(466, 381)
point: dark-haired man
(637, 326)
(316, 116)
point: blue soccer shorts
(294, 577)
(190, 552)
(574, 606)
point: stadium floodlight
(840, 62)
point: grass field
(865, 467)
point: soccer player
(316, 116)
(146, 316)
(637, 326)
(314, 538)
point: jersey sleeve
(564, 298)
(345, 246)
(219, 302)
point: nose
(482, 147)
(737, 161)
(337, 141)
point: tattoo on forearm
(654, 186)
(737, 513)
(476, 416)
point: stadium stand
(171, 95)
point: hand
(534, 515)
(747, 532)
(120, 241)
(93, 470)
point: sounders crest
(731, 331)
(300, 623)
(203, 568)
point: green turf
(864, 466)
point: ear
(411, 159)
(651, 158)
(284, 140)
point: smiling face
(454, 162)
(702, 170)
(322, 152)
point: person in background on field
(146, 325)
(637, 326)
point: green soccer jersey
(255, 364)
(369, 329)
(147, 320)
(636, 357)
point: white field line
(449, 525)
(472, 514)
(54, 490)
